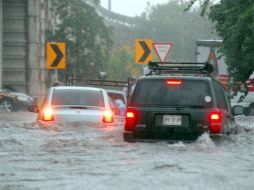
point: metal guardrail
(78, 81)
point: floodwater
(79, 156)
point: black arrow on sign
(146, 49)
(59, 55)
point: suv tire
(251, 110)
(128, 137)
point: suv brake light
(173, 82)
(215, 119)
(131, 119)
(48, 114)
(130, 115)
(107, 116)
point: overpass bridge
(112, 17)
(22, 42)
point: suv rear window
(77, 97)
(155, 92)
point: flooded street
(80, 156)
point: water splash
(205, 142)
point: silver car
(14, 101)
(77, 104)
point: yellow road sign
(143, 51)
(56, 55)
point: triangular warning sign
(162, 49)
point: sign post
(162, 50)
(143, 51)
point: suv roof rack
(180, 67)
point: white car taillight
(48, 114)
(107, 116)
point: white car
(119, 99)
(64, 104)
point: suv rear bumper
(130, 136)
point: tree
(234, 23)
(169, 22)
(166, 22)
(121, 64)
(88, 39)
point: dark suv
(178, 102)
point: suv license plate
(172, 120)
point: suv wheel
(251, 110)
(128, 137)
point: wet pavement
(81, 156)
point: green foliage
(234, 22)
(121, 64)
(88, 39)
(204, 6)
(170, 23)
(167, 22)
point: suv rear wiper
(194, 106)
(191, 106)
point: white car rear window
(77, 97)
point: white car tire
(6, 105)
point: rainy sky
(130, 7)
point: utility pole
(109, 5)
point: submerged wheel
(128, 137)
(6, 105)
(251, 110)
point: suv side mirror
(238, 110)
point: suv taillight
(107, 116)
(131, 119)
(48, 114)
(173, 82)
(215, 121)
